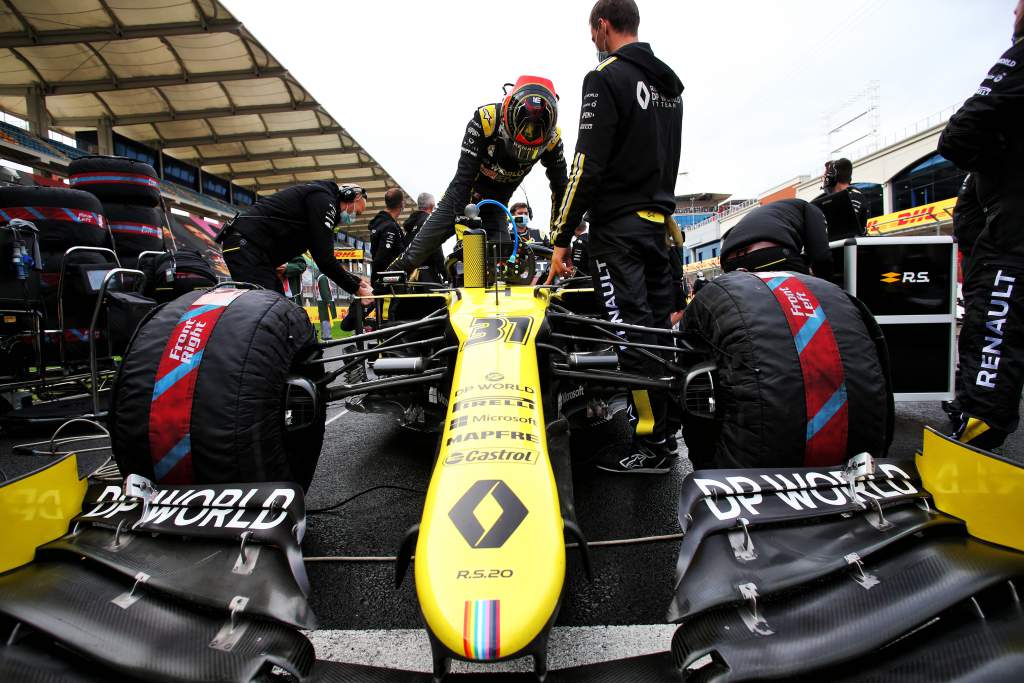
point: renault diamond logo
(488, 514)
(890, 277)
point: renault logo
(890, 277)
(488, 514)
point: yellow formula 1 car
(181, 573)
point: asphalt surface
(631, 585)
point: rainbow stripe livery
(481, 633)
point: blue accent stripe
(810, 328)
(143, 180)
(477, 651)
(135, 229)
(32, 210)
(827, 412)
(70, 215)
(776, 281)
(172, 457)
(5, 216)
(193, 312)
(172, 377)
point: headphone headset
(831, 176)
(350, 192)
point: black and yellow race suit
(485, 171)
(986, 137)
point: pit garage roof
(182, 75)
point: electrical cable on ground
(339, 504)
(613, 542)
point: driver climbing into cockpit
(502, 143)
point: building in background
(911, 189)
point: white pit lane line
(568, 646)
(332, 418)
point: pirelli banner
(348, 254)
(917, 217)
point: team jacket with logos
(860, 209)
(986, 136)
(485, 171)
(386, 240)
(295, 220)
(580, 252)
(627, 152)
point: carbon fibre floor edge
(151, 638)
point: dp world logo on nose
(488, 514)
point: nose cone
(490, 558)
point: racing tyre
(135, 229)
(64, 218)
(212, 390)
(116, 179)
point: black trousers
(249, 263)
(633, 280)
(992, 341)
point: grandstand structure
(181, 85)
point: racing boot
(978, 433)
(646, 457)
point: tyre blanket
(200, 395)
(801, 382)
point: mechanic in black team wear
(280, 227)
(522, 214)
(789, 234)
(432, 269)
(387, 240)
(986, 137)
(502, 143)
(837, 178)
(579, 249)
(624, 173)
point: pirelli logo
(494, 402)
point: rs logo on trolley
(913, 278)
(511, 329)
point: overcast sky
(762, 78)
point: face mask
(601, 54)
(346, 218)
(522, 221)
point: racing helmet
(529, 113)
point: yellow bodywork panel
(490, 558)
(986, 492)
(37, 508)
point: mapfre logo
(910, 278)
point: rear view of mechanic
(986, 137)
(502, 143)
(387, 240)
(838, 177)
(282, 226)
(789, 234)
(624, 173)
